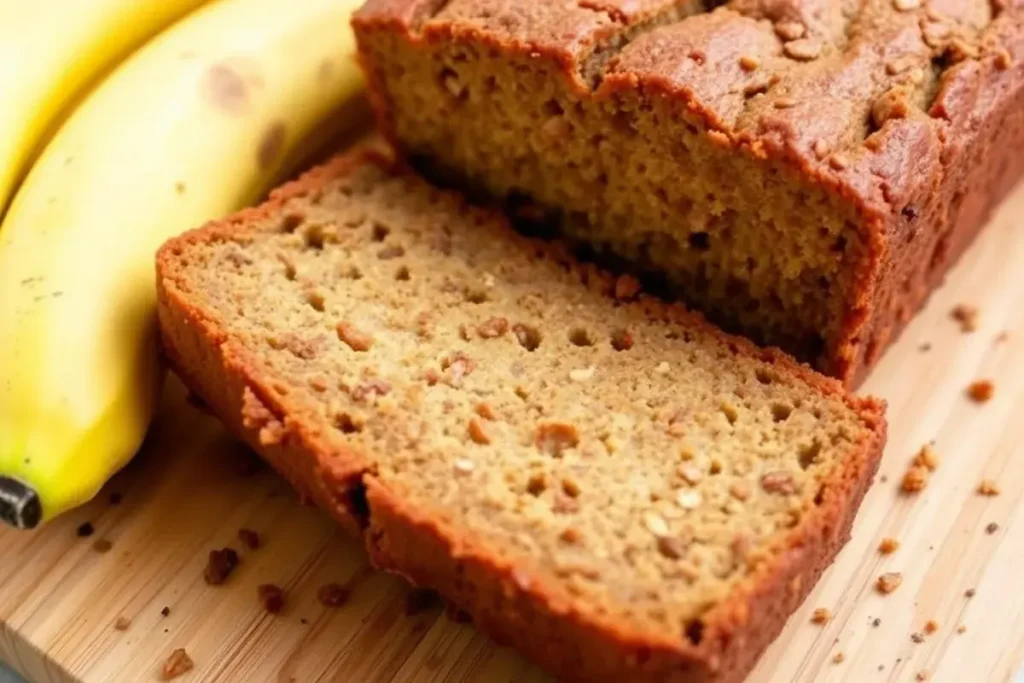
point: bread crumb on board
(821, 616)
(915, 479)
(962, 628)
(122, 624)
(888, 582)
(838, 658)
(249, 538)
(888, 546)
(927, 458)
(923, 675)
(917, 637)
(220, 565)
(271, 597)
(931, 626)
(177, 664)
(332, 595)
(84, 530)
(987, 487)
(981, 391)
(991, 528)
(967, 316)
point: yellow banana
(193, 126)
(50, 50)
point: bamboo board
(185, 495)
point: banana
(50, 50)
(198, 123)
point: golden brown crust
(539, 618)
(922, 157)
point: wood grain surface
(192, 488)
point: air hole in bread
(316, 300)
(537, 484)
(570, 488)
(357, 505)
(700, 241)
(291, 222)
(622, 340)
(314, 237)
(402, 274)
(694, 631)
(289, 271)
(781, 412)
(819, 497)
(352, 273)
(527, 336)
(809, 454)
(380, 232)
(347, 423)
(476, 296)
(580, 337)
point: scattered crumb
(925, 347)
(923, 675)
(967, 316)
(962, 628)
(877, 622)
(456, 614)
(166, 611)
(931, 626)
(987, 487)
(838, 658)
(915, 479)
(917, 637)
(220, 565)
(884, 478)
(981, 391)
(303, 621)
(889, 582)
(122, 624)
(249, 538)
(821, 616)
(991, 528)
(85, 530)
(927, 458)
(1002, 337)
(881, 667)
(332, 595)
(419, 600)
(970, 593)
(888, 546)
(177, 664)
(271, 597)
(115, 498)
(102, 545)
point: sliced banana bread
(804, 171)
(604, 481)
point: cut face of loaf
(607, 482)
(804, 172)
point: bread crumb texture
(758, 154)
(888, 546)
(634, 458)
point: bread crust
(923, 184)
(513, 603)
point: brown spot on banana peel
(226, 89)
(271, 144)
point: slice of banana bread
(602, 480)
(804, 171)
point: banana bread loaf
(599, 479)
(804, 171)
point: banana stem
(19, 505)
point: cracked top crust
(857, 90)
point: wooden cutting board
(192, 489)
